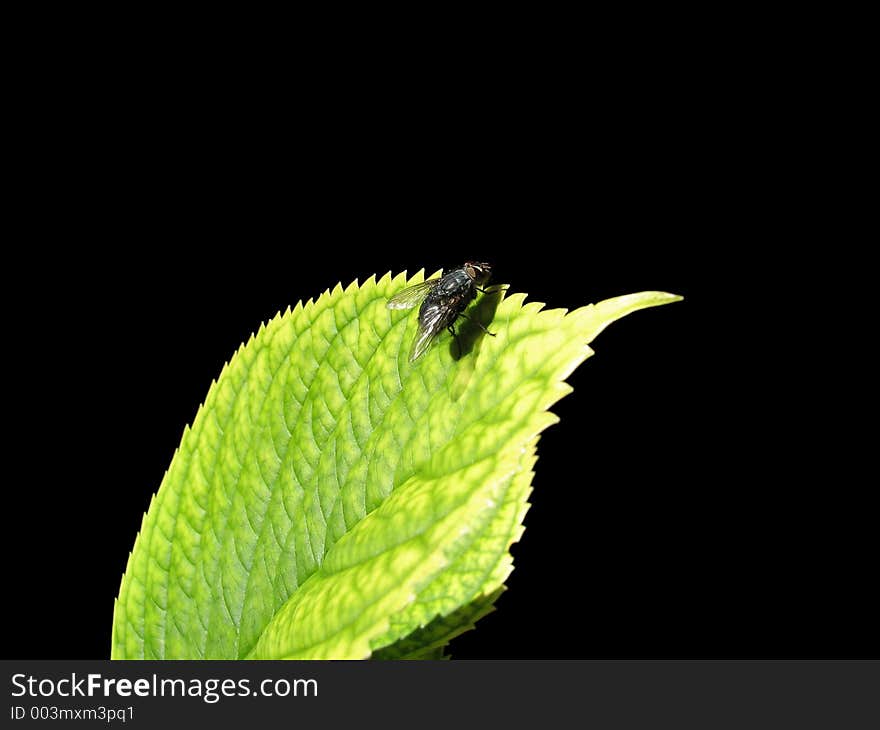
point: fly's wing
(412, 295)
(431, 322)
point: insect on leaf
(333, 500)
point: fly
(443, 301)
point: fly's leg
(479, 324)
(452, 331)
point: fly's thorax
(455, 283)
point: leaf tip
(665, 297)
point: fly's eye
(470, 271)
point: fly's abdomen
(434, 312)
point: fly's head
(478, 271)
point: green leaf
(334, 500)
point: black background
(674, 512)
